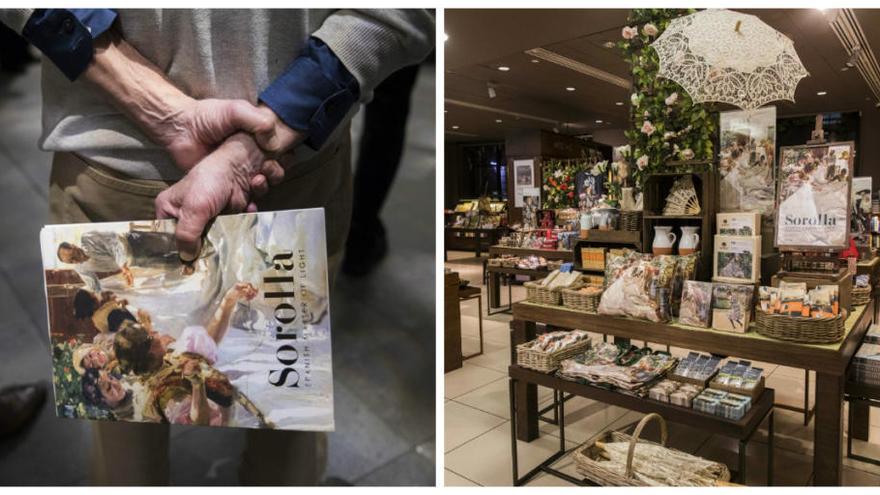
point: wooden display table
(829, 361)
(495, 272)
(742, 429)
(451, 323)
(457, 239)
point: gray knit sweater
(220, 54)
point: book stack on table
(865, 366)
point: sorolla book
(240, 337)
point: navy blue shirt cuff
(66, 36)
(314, 93)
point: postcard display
(245, 329)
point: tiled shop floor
(383, 353)
(478, 413)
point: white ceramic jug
(664, 240)
(690, 240)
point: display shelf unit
(655, 190)
(742, 429)
(829, 361)
(470, 239)
(495, 272)
(610, 239)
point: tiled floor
(383, 353)
(478, 427)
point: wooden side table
(466, 294)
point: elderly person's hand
(225, 181)
(277, 137)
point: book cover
(240, 337)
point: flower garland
(666, 124)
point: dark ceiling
(533, 94)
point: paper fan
(682, 199)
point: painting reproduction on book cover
(239, 337)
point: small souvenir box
(744, 223)
(737, 259)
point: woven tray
(574, 299)
(547, 362)
(596, 468)
(801, 329)
(860, 296)
(631, 220)
(535, 293)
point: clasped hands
(228, 150)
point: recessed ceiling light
(455, 127)
(445, 111)
(503, 68)
(608, 44)
(822, 93)
(570, 88)
(445, 37)
(498, 121)
(618, 103)
(535, 61)
(598, 121)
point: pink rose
(642, 162)
(671, 99)
(629, 33)
(649, 30)
(648, 127)
(687, 154)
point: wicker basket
(547, 362)
(861, 296)
(554, 264)
(801, 329)
(594, 467)
(535, 293)
(631, 220)
(593, 258)
(575, 299)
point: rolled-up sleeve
(314, 93)
(65, 36)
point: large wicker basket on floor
(860, 296)
(547, 362)
(592, 465)
(536, 293)
(575, 299)
(801, 329)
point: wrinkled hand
(278, 138)
(225, 181)
(197, 127)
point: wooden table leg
(494, 290)
(860, 420)
(526, 394)
(828, 435)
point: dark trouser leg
(378, 160)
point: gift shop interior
(661, 239)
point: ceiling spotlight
(491, 89)
(598, 121)
(455, 128)
(536, 61)
(445, 37)
(821, 93)
(608, 44)
(618, 103)
(498, 121)
(503, 68)
(570, 88)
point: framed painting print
(813, 209)
(747, 160)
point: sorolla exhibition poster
(239, 337)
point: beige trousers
(137, 453)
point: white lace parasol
(725, 56)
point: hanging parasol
(724, 56)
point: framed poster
(814, 197)
(747, 161)
(861, 211)
(523, 177)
